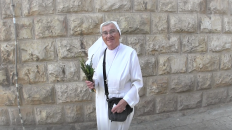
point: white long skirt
(103, 122)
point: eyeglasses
(111, 32)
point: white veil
(97, 49)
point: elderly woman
(124, 78)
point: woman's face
(110, 36)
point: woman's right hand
(90, 84)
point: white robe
(124, 80)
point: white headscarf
(97, 49)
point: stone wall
(184, 47)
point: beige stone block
(4, 117)
(27, 115)
(85, 24)
(204, 81)
(178, 64)
(38, 94)
(30, 74)
(63, 71)
(123, 39)
(70, 48)
(72, 92)
(166, 103)
(87, 41)
(145, 5)
(143, 90)
(210, 23)
(162, 44)
(112, 5)
(180, 23)
(182, 83)
(90, 112)
(6, 30)
(226, 61)
(167, 5)
(74, 47)
(138, 23)
(38, 7)
(230, 6)
(48, 115)
(192, 5)
(218, 6)
(194, 43)
(157, 85)
(82, 74)
(24, 28)
(164, 66)
(159, 23)
(189, 101)
(214, 96)
(229, 94)
(37, 50)
(146, 106)
(4, 76)
(69, 6)
(8, 96)
(219, 43)
(203, 62)
(148, 65)
(222, 79)
(227, 24)
(74, 113)
(137, 43)
(172, 64)
(50, 26)
(6, 8)
(8, 52)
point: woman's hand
(90, 84)
(120, 107)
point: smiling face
(110, 36)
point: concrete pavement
(218, 118)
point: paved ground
(207, 118)
(214, 119)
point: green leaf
(87, 69)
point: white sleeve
(132, 96)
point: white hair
(110, 22)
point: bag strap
(104, 76)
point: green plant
(88, 70)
